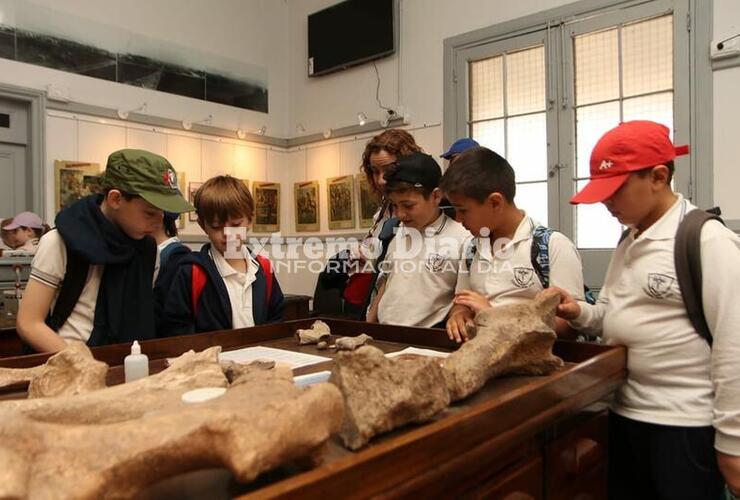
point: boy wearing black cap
(515, 257)
(421, 268)
(91, 278)
(681, 400)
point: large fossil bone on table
(511, 339)
(381, 394)
(73, 370)
(132, 400)
(262, 421)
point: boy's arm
(720, 260)
(372, 311)
(177, 316)
(31, 321)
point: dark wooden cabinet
(517, 438)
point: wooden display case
(519, 437)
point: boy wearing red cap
(681, 400)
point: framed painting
(366, 200)
(340, 192)
(74, 180)
(307, 206)
(266, 207)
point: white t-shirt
(508, 276)
(420, 285)
(49, 267)
(238, 286)
(674, 376)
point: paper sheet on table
(293, 359)
(418, 351)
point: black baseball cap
(418, 169)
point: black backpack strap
(687, 259)
(75, 276)
(540, 254)
(470, 250)
(625, 233)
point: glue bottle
(135, 365)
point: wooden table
(519, 437)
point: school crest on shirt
(436, 262)
(523, 277)
(659, 285)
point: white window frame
(692, 93)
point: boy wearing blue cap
(458, 147)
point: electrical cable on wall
(377, 89)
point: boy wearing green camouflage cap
(91, 278)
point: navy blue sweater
(214, 306)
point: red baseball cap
(627, 148)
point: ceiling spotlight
(123, 114)
(262, 130)
(327, 133)
(241, 134)
(188, 124)
(300, 129)
(361, 118)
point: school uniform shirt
(674, 376)
(238, 286)
(160, 248)
(506, 276)
(48, 267)
(420, 286)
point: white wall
(726, 116)
(247, 32)
(413, 76)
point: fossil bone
(352, 343)
(73, 370)
(318, 332)
(250, 429)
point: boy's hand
(460, 318)
(568, 308)
(472, 300)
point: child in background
(170, 251)
(25, 230)
(223, 286)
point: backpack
(687, 260)
(199, 278)
(539, 257)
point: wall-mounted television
(350, 33)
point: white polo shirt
(238, 286)
(675, 377)
(506, 276)
(49, 266)
(420, 285)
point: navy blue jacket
(169, 265)
(214, 307)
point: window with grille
(621, 74)
(508, 115)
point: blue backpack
(540, 258)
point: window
(508, 115)
(542, 92)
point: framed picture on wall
(182, 185)
(74, 180)
(192, 188)
(266, 207)
(367, 201)
(307, 206)
(340, 192)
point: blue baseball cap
(460, 146)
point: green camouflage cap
(148, 175)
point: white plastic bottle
(135, 365)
